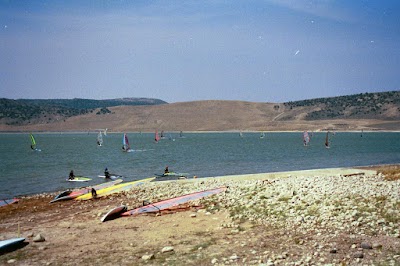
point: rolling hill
(369, 111)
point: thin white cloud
(327, 9)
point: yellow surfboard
(115, 189)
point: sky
(179, 51)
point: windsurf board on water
(4, 244)
(114, 189)
(165, 204)
(113, 177)
(114, 213)
(4, 202)
(172, 174)
(79, 179)
(67, 195)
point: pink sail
(156, 136)
(306, 138)
(125, 143)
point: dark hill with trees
(364, 105)
(31, 111)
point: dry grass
(390, 172)
(205, 116)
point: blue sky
(259, 51)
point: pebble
(148, 257)
(365, 245)
(39, 238)
(167, 249)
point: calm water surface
(203, 154)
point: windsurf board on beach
(165, 204)
(67, 195)
(114, 189)
(8, 243)
(5, 202)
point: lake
(28, 172)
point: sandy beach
(340, 216)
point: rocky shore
(318, 217)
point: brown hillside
(206, 116)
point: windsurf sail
(262, 135)
(114, 189)
(156, 136)
(5, 202)
(306, 138)
(162, 134)
(33, 142)
(161, 205)
(165, 204)
(125, 143)
(327, 140)
(100, 139)
(68, 195)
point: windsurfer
(71, 175)
(166, 171)
(106, 173)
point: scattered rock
(376, 246)
(214, 261)
(358, 255)
(365, 245)
(333, 251)
(11, 261)
(39, 238)
(193, 215)
(167, 249)
(148, 257)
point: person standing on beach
(94, 193)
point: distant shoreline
(200, 132)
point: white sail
(100, 139)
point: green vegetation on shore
(31, 111)
(364, 105)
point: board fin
(114, 213)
